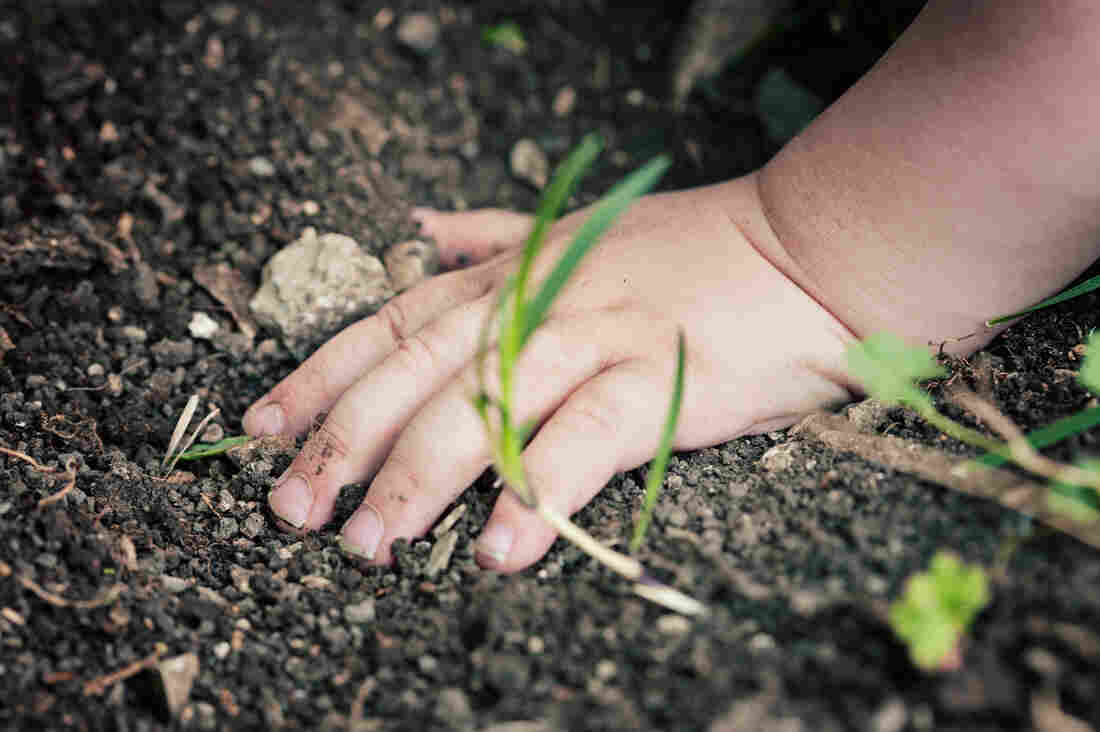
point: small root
(105, 596)
(97, 686)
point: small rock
(174, 677)
(761, 642)
(890, 717)
(529, 163)
(316, 285)
(780, 457)
(241, 579)
(134, 334)
(564, 101)
(226, 501)
(317, 582)
(261, 167)
(672, 624)
(222, 650)
(96, 370)
(411, 261)
(360, 613)
(202, 326)
(171, 353)
(868, 415)
(253, 525)
(227, 528)
(418, 31)
(174, 585)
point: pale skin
(958, 180)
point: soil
(143, 142)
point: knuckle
(597, 414)
(328, 444)
(394, 318)
(417, 354)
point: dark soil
(139, 141)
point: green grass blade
(656, 476)
(605, 211)
(1084, 288)
(210, 449)
(553, 200)
(1053, 433)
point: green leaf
(604, 212)
(1052, 434)
(507, 35)
(656, 477)
(1082, 289)
(565, 179)
(938, 607)
(210, 449)
(1089, 375)
(889, 369)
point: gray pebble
(227, 528)
(360, 613)
(253, 525)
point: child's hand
(597, 375)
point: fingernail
(270, 419)
(291, 500)
(493, 546)
(362, 532)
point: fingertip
(262, 419)
(514, 537)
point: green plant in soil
(890, 370)
(936, 609)
(519, 314)
(938, 606)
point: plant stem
(628, 567)
(1017, 448)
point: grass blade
(1084, 288)
(181, 428)
(210, 449)
(553, 200)
(606, 210)
(1051, 434)
(656, 476)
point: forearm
(958, 180)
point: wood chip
(441, 554)
(6, 343)
(230, 289)
(449, 521)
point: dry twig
(105, 596)
(1003, 486)
(97, 686)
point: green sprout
(518, 315)
(1068, 294)
(890, 370)
(507, 35)
(212, 449)
(937, 608)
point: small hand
(596, 377)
